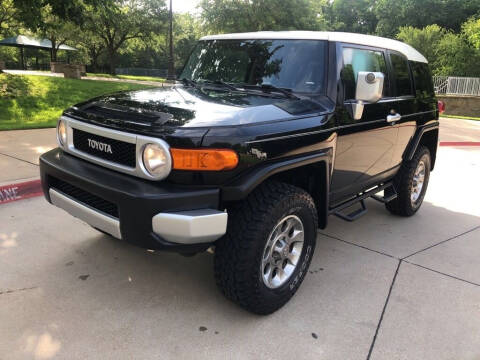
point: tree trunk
(111, 53)
(94, 55)
(94, 65)
(53, 51)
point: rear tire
(411, 184)
(274, 228)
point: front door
(365, 147)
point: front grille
(84, 197)
(119, 152)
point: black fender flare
(241, 187)
(415, 141)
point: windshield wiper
(268, 88)
(220, 83)
(188, 82)
(285, 91)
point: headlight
(61, 132)
(156, 160)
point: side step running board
(390, 194)
(354, 215)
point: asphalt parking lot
(382, 287)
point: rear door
(405, 103)
(365, 147)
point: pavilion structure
(22, 42)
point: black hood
(191, 107)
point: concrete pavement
(19, 152)
(382, 287)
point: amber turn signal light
(204, 159)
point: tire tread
(233, 253)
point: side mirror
(369, 86)
(369, 90)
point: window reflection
(294, 64)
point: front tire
(262, 260)
(411, 184)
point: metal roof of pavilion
(28, 42)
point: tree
(424, 40)
(221, 16)
(118, 21)
(447, 52)
(455, 57)
(91, 45)
(30, 11)
(354, 16)
(39, 16)
(449, 14)
(471, 29)
(7, 16)
(55, 29)
(188, 31)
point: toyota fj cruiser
(262, 138)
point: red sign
(19, 191)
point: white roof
(352, 38)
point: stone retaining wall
(461, 105)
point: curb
(20, 191)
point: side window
(355, 60)
(403, 83)
(423, 79)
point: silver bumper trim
(94, 218)
(191, 227)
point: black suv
(262, 138)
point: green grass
(37, 101)
(460, 117)
(129, 77)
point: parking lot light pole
(171, 66)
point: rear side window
(403, 83)
(356, 60)
(423, 79)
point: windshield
(298, 65)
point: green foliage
(37, 101)
(31, 12)
(448, 53)
(223, 16)
(471, 29)
(354, 16)
(12, 86)
(7, 17)
(117, 21)
(187, 31)
(455, 57)
(449, 14)
(424, 40)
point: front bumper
(149, 214)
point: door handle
(394, 118)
